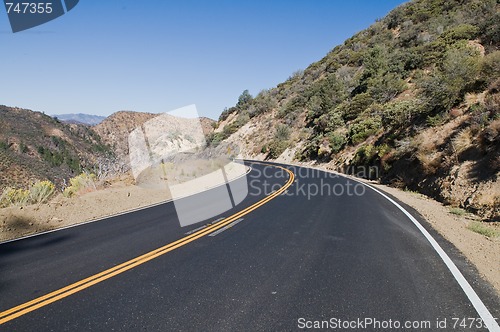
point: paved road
(326, 249)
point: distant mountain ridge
(87, 119)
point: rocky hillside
(412, 101)
(115, 129)
(35, 146)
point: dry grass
(462, 141)
(430, 161)
(481, 228)
(457, 211)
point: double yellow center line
(54, 296)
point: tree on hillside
(244, 99)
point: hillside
(35, 146)
(115, 129)
(80, 118)
(412, 101)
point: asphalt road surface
(305, 249)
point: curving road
(305, 249)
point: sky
(157, 55)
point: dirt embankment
(120, 197)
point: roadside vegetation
(481, 228)
(39, 192)
(416, 95)
(81, 184)
(42, 191)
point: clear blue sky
(155, 56)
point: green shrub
(282, 132)
(490, 67)
(23, 148)
(400, 113)
(214, 139)
(383, 149)
(490, 34)
(386, 87)
(459, 32)
(337, 141)
(242, 119)
(329, 122)
(262, 103)
(436, 120)
(39, 192)
(358, 104)
(364, 155)
(276, 148)
(360, 131)
(230, 129)
(225, 114)
(447, 87)
(80, 183)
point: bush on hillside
(80, 183)
(282, 132)
(276, 148)
(400, 113)
(359, 131)
(14, 197)
(447, 86)
(490, 67)
(337, 141)
(41, 191)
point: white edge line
(481, 309)
(123, 212)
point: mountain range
(80, 118)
